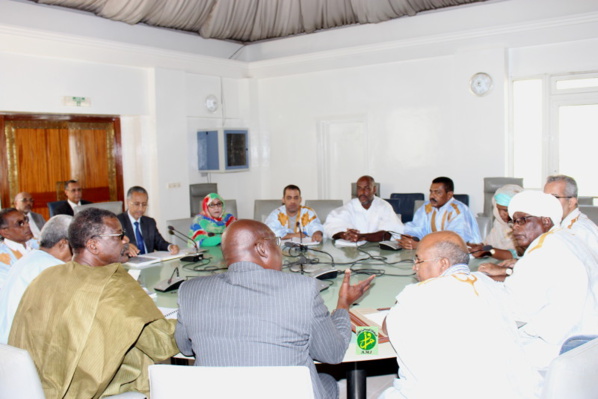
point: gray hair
(570, 184)
(87, 224)
(453, 252)
(55, 230)
(136, 189)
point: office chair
(323, 207)
(197, 192)
(406, 204)
(491, 184)
(263, 207)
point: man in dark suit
(73, 192)
(141, 230)
(255, 315)
(24, 203)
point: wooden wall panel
(44, 151)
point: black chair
(52, 207)
(406, 204)
(462, 197)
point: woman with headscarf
(500, 238)
(208, 226)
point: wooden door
(44, 152)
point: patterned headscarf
(208, 199)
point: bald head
(366, 189)
(251, 241)
(437, 252)
(24, 202)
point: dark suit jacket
(151, 236)
(63, 208)
(37, 219)
(250, 316)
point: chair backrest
(323, 207)
(417, 204)
(52, 207)
(182, 225)
(112, 206)
(462, 197)
(406, 204)
(263, 207)
(572, 375)
(18, 375)
(231, 207)
(591, 212)
(491, 184)
(354, 190)
(484, 224)
(197, 192)
(289, 382)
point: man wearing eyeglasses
(141, 230)
(73, 192)
(551, 289)
(17, 239)
(24, 203)
(564, 188)
(90, 328)
(441, 328)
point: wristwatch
(492, 251)
(509, 271)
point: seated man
(17, 239)
(366, 217)
(53, 250)
(564, 188)
(255, 315)
(553, 287)
(141, 230)
(293, 220)
(73, 192)
(441, 212)
(24, 203)
(98, 336)
(453, 335)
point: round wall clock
(211, 103)
(480, 83)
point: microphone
(197, 256)
(171, 283)
(485, 248)
(302, 247)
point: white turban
(536, 203)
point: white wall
(408, 78)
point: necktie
(139, 239)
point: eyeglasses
(19, 223)
(216, 205)
(27, 200)
(559, 197)
(75, 190)
(139, 204)
(520, 221)
(119, 235)
(417, 261)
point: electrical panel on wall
(223, 150)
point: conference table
(393, 270)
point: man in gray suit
(254, 315)
(24, 203)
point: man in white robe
(564, 188)
(365, 218)
(551, 290)
(441, 326)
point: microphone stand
(197, 256)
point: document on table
(362, 317)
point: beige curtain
(251, 20)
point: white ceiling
(253, 20)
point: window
(555, 129)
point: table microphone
(197, 256)
(171, 283)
